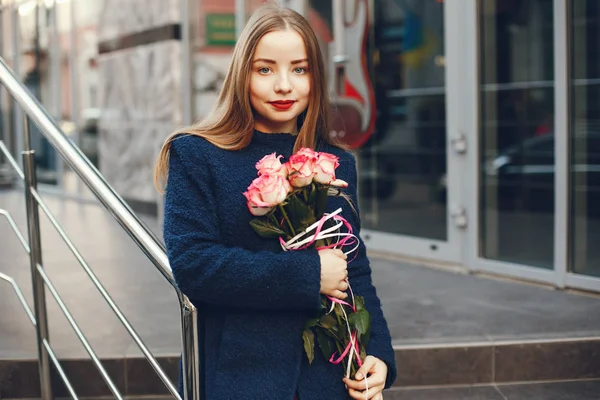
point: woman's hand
(374, 371)
(333, 273)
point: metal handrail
(55, 361)
(21, 298)
(141, 235)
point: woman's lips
(282, 104)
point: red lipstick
(282, 104)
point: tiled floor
(422, 305)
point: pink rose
(271, 165)
(325, 168)
(339, 183)
(301, 168)
(266, 192)
(308, 152)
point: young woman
(255, 298)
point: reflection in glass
(5, 103)
(403, 164)
(585, 138)
(35, 22)
(517, 135)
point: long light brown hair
(230, 123)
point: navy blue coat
(254, 297)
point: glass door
(534, 189)
(409, 163)
(516, 133)
(584, 144)
(513, 189)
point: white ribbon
(334, 231)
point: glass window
(585, 137)
(516, 131)
(403, 162)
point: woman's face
(279, 81)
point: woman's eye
(264, 70)
(300, 70)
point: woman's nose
(283, 84)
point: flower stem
(287, 219)
(350, 356)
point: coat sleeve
(359, 273)
(205, 269)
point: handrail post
(192, 357)
(35, 258)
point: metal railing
(193, 382)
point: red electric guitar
(353, 98)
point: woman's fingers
(338, 294)
(340, 253)
(369, 380)
(372, 382)
(373, 393)
(343, 286)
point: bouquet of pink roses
(289, 201)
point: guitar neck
(339, 38)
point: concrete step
(418, 366)
(498, 362)
(571, 390)
(132, 376)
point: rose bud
(271, 165)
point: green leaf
(325, 344)
(300, 213)
(339, 312)
(324, 303)
(367, 335)
(297, 211)
(265, 229)
(327, 321)
(359, 302)
(311, 322)
(273, 219)
(308, 337)
(332, 332)
(320, 202)
(361, 320)
(312, 195)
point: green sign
(220, 29)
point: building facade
(475, 122)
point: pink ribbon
(335, 300)
(344, 241)
(338, 360)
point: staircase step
(571, 390)
(500, 363)
(132, 376)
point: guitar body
(353, 98)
